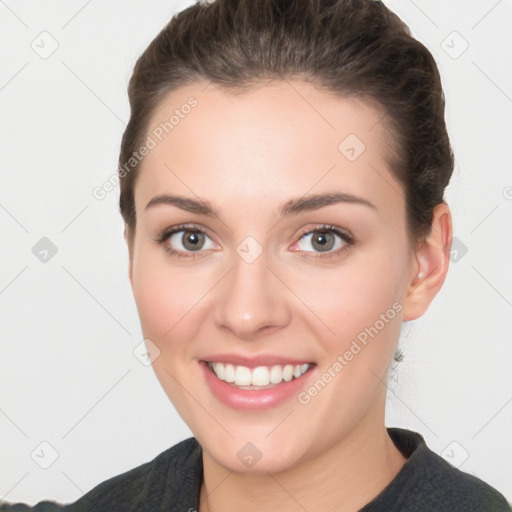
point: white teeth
(260, 376)
(229, 373)
(219, 370)
(242, 376)
(288, 373)
(276, 374)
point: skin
(248, 154)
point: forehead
(280, 140)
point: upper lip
(254, 361)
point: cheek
(158, 310)
(169, 299)
(352, 298)
(159, 294)
(362, 306)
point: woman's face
(260, 286)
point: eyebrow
(291, 207)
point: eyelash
(163, 236)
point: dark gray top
(171, 483)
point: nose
(251, 300)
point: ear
(128, 237)
(432, 259)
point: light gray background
(69, 325)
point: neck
(344, 478)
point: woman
(282, 181)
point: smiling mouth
(260, 377)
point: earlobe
(432, 257)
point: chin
(250, 458)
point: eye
(183, 241)
(324, 239)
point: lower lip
(252, 400)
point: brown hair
(348, 47)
